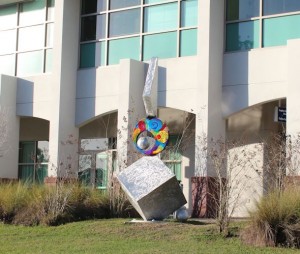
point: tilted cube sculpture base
(152, 188)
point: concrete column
(63, 133)
(130, 109)
(9, 128)
(293, 102)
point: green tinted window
(241, 9)
(242, 36)
(161, 18)
(8, 17)
(154, 1)
(7, 64)
(188, 42)
(280, 6)
(189, 11)
(117, 4)
(87, 55)
(100, 53)
(160, 45)
(25, 38)
(7, 41)
(30, 63)
(276, 31)
(123, 48)
(32, 12)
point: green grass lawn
(114, 236)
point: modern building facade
(72, 74)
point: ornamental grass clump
(276, 220)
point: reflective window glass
(88, 28)
(161, 18)
(242, 36)
(101, 26)
(32, 12)
(7, 41)
(102, 5)
(25, 38)
(88, 6)
(49, 60)
(30, 63)
(189, 11)
(117, 4)
(100, 53)
(155, 1)
(8, 17)
(7, 64)
(160, 45)
(50, 33)
(276, 31)
(188, 42)
(280, 6)
(87, 55)
(241, 9)
(124, 22)
(123, 48)
(50, 9)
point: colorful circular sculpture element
(159, 132)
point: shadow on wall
(25, 97)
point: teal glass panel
(32, 12)
(7, 41)
(26, 173)
(280, 6)
(50, 34)
(87, 55)
(88, 6)
(30, 63)
(25, 38)
(124, 22)
(85, 177)
(27, 152)
(101, 170)
(276, 31)
(117, 4)
(161, 18)
(175, 168)
(242, 36)
(50, 10)
(8, 17)
(123, 48)
(49, 60)
(160, 45)
(41, 171)
(100, 54)
(7, 64)
(241, 9)
(188, 42)
(189, 13)
(155, 1)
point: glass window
(100, 53)
(276, 31)
(101, 26)
(188, 42)
(189, 11)
(101, 170)
(30, 63)
(102, 5)
(123, 48)
(88, 28)
(280, 6)
(155, 1)
(242, 36)
(117, 4)
(160, 45)
(50, 10)
(27, 152)
(124, 22)
(7, 64)
(241, 9)
(8, 17)
(49, 38)
(87, 55)
(25, 38)
(49, 60)
(161, 18)
(32, 12)
(88, 6)
(7, 41)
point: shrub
(276, 220)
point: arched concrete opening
(260, 138)
(33, 149)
